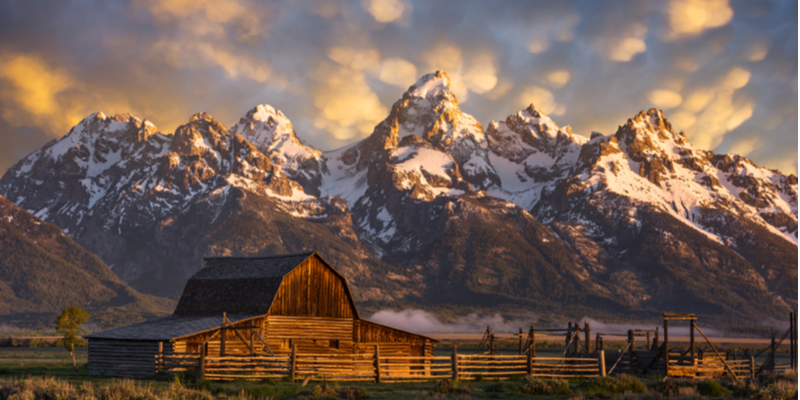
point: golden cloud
(194, 55)
(691, 17)
(682, 120)
(398, 72)
(746, 145)
(385, 11)
(447, 57)
(347, 106)
(665, 98)
(631, 44)
(559, 78)
(736, 78)
(481, 76)
(543, 100)
(358, 59)
(211, 17)
(536, 46)
(698, 100)
(757, 52)
(36, 94)
(499, 90)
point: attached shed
(296, 299)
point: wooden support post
(577, 339)
(655, 341)
(602, 363)
(160, 361)
(455, 363)
(772, 352)
(491, 344)
(377, 364)
(222, 335)
(691, 342)
(793, 341)
(252, 347)
(203, 351)
(666, 347)
(533, 340)
(648, 342)
(530, 361)
(294, 363)
(520, 341)
(568, 340)
(632, 343)
(587, 336)
(752, 367)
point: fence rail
(374, 367)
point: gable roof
(242, 285)
(167, 328)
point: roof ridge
(308, 253)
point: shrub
(712, 388)
(447, 386)
(540, 386)
(610, 386)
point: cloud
(698, 100)
(536, 46)
(385, 11)
(481, 75)
(682, 120)
(423, 322)
(36, 94)
(398, 72)
(632, 43)
(737, 78)
(559, 78)
(745, 145)
(543, 100)
(211, 17)
(757, 52)
(691, 17)
(347, 106)
(665, 99)
(358, 59)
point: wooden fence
(374, 367)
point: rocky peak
(434, 87)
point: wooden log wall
(313, 290)
(370, 332)
(129, 358)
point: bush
(540, 386)
(610, 386)
(712, 388)
(447, 386)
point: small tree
(67, 325)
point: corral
(268, 307)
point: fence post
(771, 360)
(533, 340)
(602, 363)
(203, 350)
(666, 346)
(632, 342)
(377, 364)
(160, 362)
(752, 367)
(691, 342)
(455, 363)
(530, 361)
(520, 341)
(294, 363)
(587, 336)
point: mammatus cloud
(631, 43)
(559, 78)
(708, 114)
(347, 107)
(398, 72)
(666, 99)
(691, 17)
(543, 100)
(385, 11)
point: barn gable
(288, 285)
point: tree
(67, 325)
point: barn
(253, 305)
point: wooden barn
(253, 305)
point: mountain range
(434, 210)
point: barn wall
(367, 331)
(313, 290)
(129, 358)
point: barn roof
(167, 328)
(241, 285)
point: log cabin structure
(253, 305)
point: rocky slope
(431, 210)
(42, 272)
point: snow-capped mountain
(431, 209)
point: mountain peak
(430, 85)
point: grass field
(47, 373)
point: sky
(724, 72)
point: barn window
(334, 344)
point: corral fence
(377, 368)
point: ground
(47, 373)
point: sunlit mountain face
(564, 158)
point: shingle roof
(241, 285)
(167, 328)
